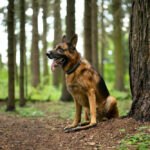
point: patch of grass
(64, 110)
(139, 141)
(120, 95)
(44, 93)
(124, 107)
(143, 127)
(24, 111)
(122, 130)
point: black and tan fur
(85, 85)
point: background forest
(39, 26)
(113, 35)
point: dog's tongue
(53, 66)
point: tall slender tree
(70, 30)
(88, 30)
(22, 51)
(118, 47)
(35, 64)
(70, 19)
(139, 47)
(102, 38)
(94, 34)
(15, 63)
(57, 39)
(44, 40)
(11, 80)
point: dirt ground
(43, 133)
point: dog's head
(64, 54)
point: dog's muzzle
(49, 54)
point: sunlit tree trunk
(118, 47)
(88, 30)
(70, 30)
(102, 39)
(15, 63)
(11, 80)
(26, 76)
(35, 64)
(57, 75)
(139, 47)
(44, 40)
(94, 34)
(22, 51)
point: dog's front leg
(78, 110)
(92, 103)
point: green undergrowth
(124, 107)
(63, 110)
(28, 111)
(46, 91)
(138, 141)
(58, 109)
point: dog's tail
(111, 107)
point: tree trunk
(15, 63)
(26, 76)
(11, 81)
(35, 64)
(57, 39)
(139, 47)
(88, 30)
(94, 35)
(70, 30)
(118, 48)
(102, 39)
(44, 40)
(70, 19)
(22, 51)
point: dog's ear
(74, 40)
(64, 39)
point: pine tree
(35, 64)
(11, 80)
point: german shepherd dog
(85, 85)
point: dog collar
(74, 68)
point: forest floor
(47, 133)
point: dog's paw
(70, 127)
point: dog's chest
(73, 84)
(74, 88)
(79, 94)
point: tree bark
(94, 35)
(15, 63)
(70, 30)
(88, 30)
(57, 39)
(11, 80)
(102, 39)
(70, 19)
(22, 51)
(35, 64)
(118, 47)
(44, 40)
(139, 69)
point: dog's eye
(60, 49)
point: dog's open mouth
(57, 62)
